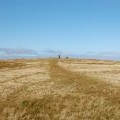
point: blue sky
(65, 25)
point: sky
(65, 25)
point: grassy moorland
(50, 89)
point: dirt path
(65, 96)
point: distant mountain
(87, 55)
(9, 53)
(50, 53)
(101, 55)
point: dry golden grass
(57, 93)
(102, 70)
(10, 64)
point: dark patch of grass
(9, 64)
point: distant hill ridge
(10, 53)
